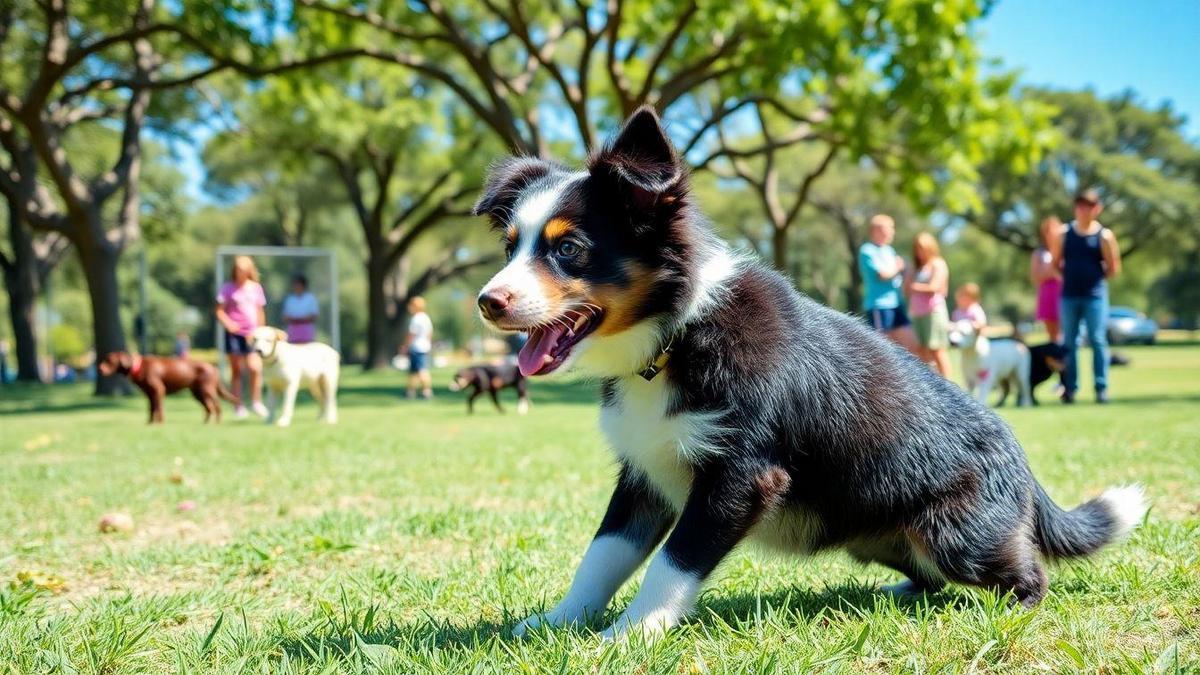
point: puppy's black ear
(643, 164)
(506, 179)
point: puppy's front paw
(283, 422)
(552, 619)
(531, 623)
(651, 627)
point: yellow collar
(659, 362)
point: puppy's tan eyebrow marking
(510, 234)
(557, 228)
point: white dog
(986, 363)
(287, 366)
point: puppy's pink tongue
(535, 355)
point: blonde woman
(1046, 276)
(927, 289)
(240, 308)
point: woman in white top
(300, 311)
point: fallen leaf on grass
(42, 582)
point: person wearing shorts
(418, 345)
(240, 309)
(882, 271)
(927, 291)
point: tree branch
(664, 50)
(806, 185)
(375, 20)
(447, 208)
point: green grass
(410, 537)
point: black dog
(491, 379)
(1045, 361)
(739, 409)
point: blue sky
(1107, 45)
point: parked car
(1127, 325)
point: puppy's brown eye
(568, 249)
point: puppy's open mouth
(549, 346)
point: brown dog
(159, 376)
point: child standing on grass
(240, 309)
(967, 307)
(418, 345)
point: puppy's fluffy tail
(227, 395)
(1090, 526)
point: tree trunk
(21, 281)
(854, 292)
(99, 262)
(779, 248)
(378, 344)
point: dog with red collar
(160, 376)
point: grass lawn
(410, 537)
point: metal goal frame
(223, 252)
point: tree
(894, 86)
(897, 82)
(1178, 291)
(402, 157)
(594, 62)
(66, 66)
(25, 267)
(1140, 159)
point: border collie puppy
(740, 409)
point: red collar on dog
(136, 367)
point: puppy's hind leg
(898, 553)
(991, 555)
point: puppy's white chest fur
(662, 448)
(659, 445)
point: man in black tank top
(1088, 256)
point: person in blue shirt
(1088, 256)
(882, 272)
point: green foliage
(1139, 158)
(1178, 291)
(66, 342)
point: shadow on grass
(22, 398)
(352, 637)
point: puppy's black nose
(494, 302)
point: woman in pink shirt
(1046, 276)
(240, 309)
(927, 290)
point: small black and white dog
(739, 409)
(1045, 360)
(491, 379)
